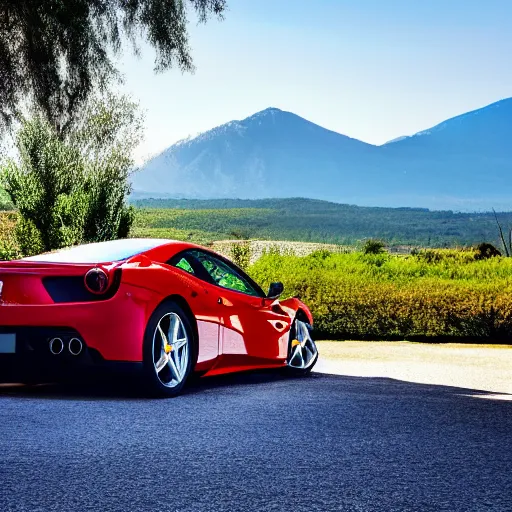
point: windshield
(100, 252)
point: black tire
(151, 381)
(293, 371)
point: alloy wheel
(303, 351)
(170, 350)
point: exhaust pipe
(56, 346)
(75, 346)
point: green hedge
(434, 295)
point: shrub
(373, 246)
(321, 254)
(446, 256)
(484, 251)
(28, 238)
(9, 248)
(354, 296)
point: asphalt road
(256, 442)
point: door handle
(219, 301)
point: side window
(223, 275)
(185, 265)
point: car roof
(104, 252)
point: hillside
(462, 164)
(310, 220)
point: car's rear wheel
(169, 350)
(302, 351)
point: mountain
(464, 163)
(468, 157)
(266, 155)
(397, 139)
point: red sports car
(165, 307)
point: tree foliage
(74, 190)
(55, 52)
(373, 246)
(484, 251)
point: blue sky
(369, 69)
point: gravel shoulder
(476, 367)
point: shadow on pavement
(111, 389)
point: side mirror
(275, 290)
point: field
(309, 220)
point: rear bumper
(33, 359)
(111, 330)
(14, 368)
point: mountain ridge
(461, 163)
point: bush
(5, 202)
(28, 238)
(354, 296)
(321, 254)
(9, 248)
(373, 246)
(446, 256)
(485, 251)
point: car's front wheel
(168, 350)
(302, 351)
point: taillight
(83, 288)
(96, 281)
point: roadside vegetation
(435, 294)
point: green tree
(54, 53)
(74, 190)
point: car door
(205, 308)
(251, 324)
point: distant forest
(312, 220)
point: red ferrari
(165, 308)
